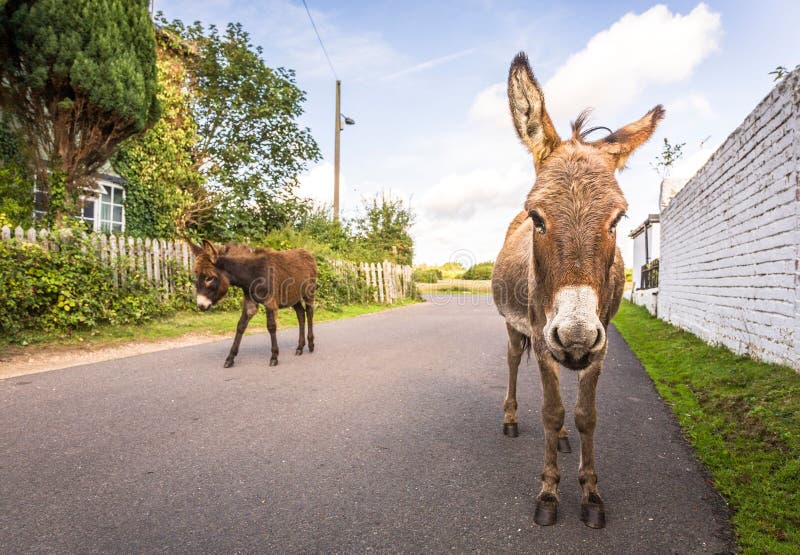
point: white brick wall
(730, 239)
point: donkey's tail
(526, 345)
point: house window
(112, 209)
(105, 212)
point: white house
(645, 246)
(646, 238)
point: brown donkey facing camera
(558, 279)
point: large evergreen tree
(77, 78)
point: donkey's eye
(538, 221)
(209, 281)
(613, 228)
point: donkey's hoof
(310, 347)
(510, 429)
(298, 351)
(593, 513)
(228, 363)
(563, 445)
(273, 362)
(546, 511)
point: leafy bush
(482, 270)
(427, 275)
(340, 286)
(68, 287)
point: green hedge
(482, 270)
(69, 287)
(427, 275)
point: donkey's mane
(238, 249)
(579, 133)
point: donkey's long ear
(526, 101)
(197, 250)
(210, 250)
(622, 142)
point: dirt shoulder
(19, 361)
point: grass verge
(214, 322)
(458, 286)
(741, 416)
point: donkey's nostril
(599, 339)
(555, 338)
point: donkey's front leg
(272, 328)
(553, 420)
(516, 346)
(248, 309)
(592, 510)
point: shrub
(339, 286)
(427, 275)
(68, 287)
(482, 270)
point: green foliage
(781, 71)
(69, 288)
(340, 286)
(427, 275)
(670, 154)
(252, 148)
(16, 186)
(741, 416)
(374, 236)
(452, 270)
(383, 230)
(482, 270)
(164, 193)
(79, 76)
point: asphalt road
(388, 438)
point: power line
(319, 38)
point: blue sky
(425, 83)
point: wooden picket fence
(165, 264)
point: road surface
(388, 438)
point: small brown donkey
(559, 276)
(276, 279)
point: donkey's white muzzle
(574, 333)
(203, 302)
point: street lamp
(341, 121)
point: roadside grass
(741, 416)
(456, 286)
(217, 321)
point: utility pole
(336, 151)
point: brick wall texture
(730, 239)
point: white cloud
(317, 183)
(490, 107)
(619, 63)
(688, 166)
(691, 104)
(462, 195)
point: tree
(252, 148)
(384, 229)
(16, 200)
(165, 191)
(77, 77)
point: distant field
(457, 286)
